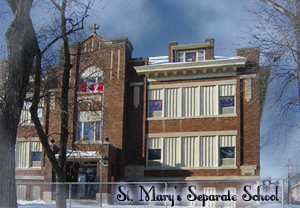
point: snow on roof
(158, 60)
(81, 154)
(225, 57)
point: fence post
(70, 195)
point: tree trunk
(7, 161)
(21, 48)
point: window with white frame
(194, 151)
(227, 99)
(155, 104)
(88, 125)
(25, 118)
(154, 152)
(28, 154)
(227, 150)
(192, 101)
(209, 191)
(91, 80)
(232, 191)
(190, 56)
(21, 192)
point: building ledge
(222, 67)
(19, 177)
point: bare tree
(25, 59)
(276, 30)
(22, 48)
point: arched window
(90, 80)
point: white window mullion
(217, 100)
(163, 158)
(179, 98)
(164, 104)
(179, 147)
(199, 152)
(28, 151)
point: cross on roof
(93, 28)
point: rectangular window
(154, 157)
(232, 191)
(21, 192)
(192, 101)
(88, 126)
(28, 154)
(154, 152)
(172, 102)
(190, 151)
(209, 151)
(227, 150)
(207, 100)
(26, 116)
(36, 158)
(227, 99)
(155, 108)
(88, 131)
(35, 192)
(196, 151)
(209, 191)
(155, 103)
(187, 56)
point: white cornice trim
(191, 70)
(188, 77)
(239, 62)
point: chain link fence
(229, 193)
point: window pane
(226, 152)
(98, 131)
(155, 105)
(226, 102)
(200, 55)
(154, 154)
(180, 57)
(40, 112)
(36, 156)
(190, 57)
(79, 131)
(88, 131)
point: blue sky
(151, 24)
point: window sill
(192, 168)
(191, 117)
(90, 142)
(30, 168)
(88, 93)
(30, 124)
